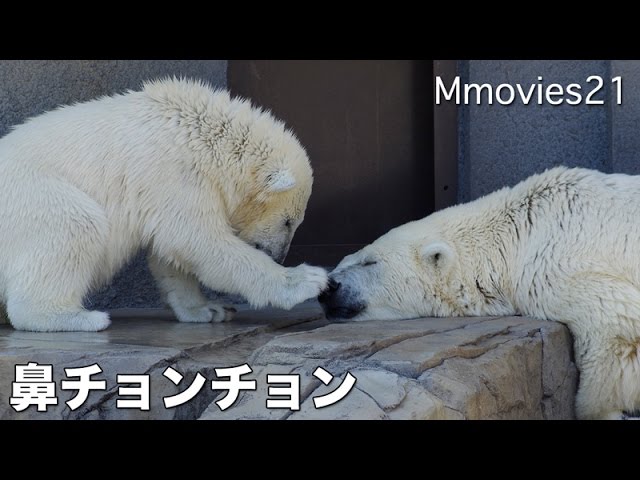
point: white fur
(563, 245)
(176, 167)
(281, 181)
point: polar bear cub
(214, 188)
(563, 245)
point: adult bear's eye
(368, 263)
(287, 223)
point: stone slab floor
(445, 368)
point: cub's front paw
(211, 312)
(221, 313)
(301, 283)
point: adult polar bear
(199, 178)
(563, 245)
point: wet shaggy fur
(563, 245)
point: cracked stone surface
(445, 368)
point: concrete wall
(500, 145)
(29, 88)
(625, 119)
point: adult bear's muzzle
(339, 301)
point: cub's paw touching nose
(301, 283)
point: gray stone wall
(500, 145)
(625, 119)
(28, 88)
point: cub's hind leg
(57, 250)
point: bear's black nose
(332, 287)
(340, 301)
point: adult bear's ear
(280, 181)
(438, 255)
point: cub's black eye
(368, 263)
(287, 223)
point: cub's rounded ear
(280, 181)
(438, 255)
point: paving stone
(439, 368)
